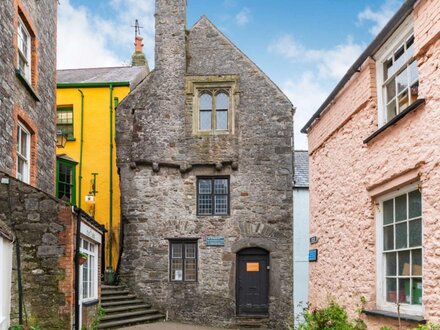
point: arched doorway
(252, 294)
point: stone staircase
(123, 308)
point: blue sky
(303, 46)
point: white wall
(300, 250)
(5, 281)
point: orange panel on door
(252, 266)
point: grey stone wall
(14, 94)
(154, 135)
(43, 228)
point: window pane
(205, 186)
(205, 204)
(190, 251)
(402, 81)
(220, 186)
(176, 269)
(388, 69)
(404, 290)
(413, 72)
(417, 291)
(190, 269)
(414, 92)
(23, 144)
(388, 238)
(391, 263)
(176, 250)
(402, 101)
(391, 90)
(415, 204)
(205, 102)
(410, 47)
(391, 294)
(221, 101)
(391, 110)
(222, 119)
(205, 120)
(416, 262)
(415, 233)
(401, 208)
(221, 204)
(399, 59)
(404, 266)
(388, 211)
(401, 236)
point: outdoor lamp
(61, 139)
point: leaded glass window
(213, 107)
(183, 261)
(402, 248)
(213, 196)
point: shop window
(183, 260)
(89, 271)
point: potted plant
(82, 258)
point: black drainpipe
(20, 284)
(78, 244)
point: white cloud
(379, 17)
(307, 94)
(331, 63)
(87, 39)
(243, 17)
(324, 68)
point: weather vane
(137, 28)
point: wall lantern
(61, 139)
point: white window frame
(382, 304)
(403, 32)
(95, 279)
(27, 157)
(24, 54)
(2, 274)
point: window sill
(71, 139)
(393, 121)
(90, 302)
(392, 315)
(26, 84)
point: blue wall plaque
(313, 255)
(215, 241)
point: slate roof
(131, 74)
(301, 168)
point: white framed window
(24, 50)
(89, 271)
(400, 252)
(397, 73)
(23, 153)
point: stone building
(204, 150)
(375, 176)
(27, 91)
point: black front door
(253, 282)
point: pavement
(168, 326)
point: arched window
(221, 108)
(205, 111)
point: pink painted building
(374, 149)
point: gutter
(93, 85)
(380, 39)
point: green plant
(429, 326)
(332, 317)
(386, 328)
(83, 255)
(100, 312)
(24, 327)
(16, 327)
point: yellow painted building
(86, 165)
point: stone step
(118, 297)
(124, 308)
(120, 303)
(114, 292)
(130, 321)
(115, 287)
(127, 314)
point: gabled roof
(206, 20)
(301, 169)
(130, 74)
(380, 39)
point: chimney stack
(138, 58)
